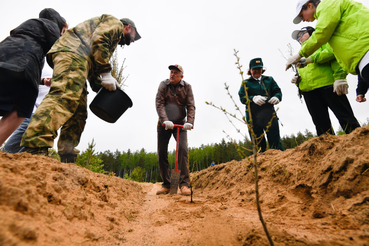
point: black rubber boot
(37, 151)
(68, 158)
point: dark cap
(127, 22)
(54, 16)
(178, 67)
(308, 29)
(255, 63)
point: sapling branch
(254, 139)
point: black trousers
(163, 141)
(319, 100)
(363, 80)
(261, 117)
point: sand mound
(315, 194)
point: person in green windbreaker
(344, 24)
(263, 93)
(317, 76)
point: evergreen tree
(90, 160)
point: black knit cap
(54, 16)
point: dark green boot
(68, 158)
(37, 151)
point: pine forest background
(144, 167)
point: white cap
(299, 5)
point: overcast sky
(200, 36)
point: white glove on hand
(187, 126)
(294, 79)
(292, 60)
(168, 125)
(109, 82)
(259, 100)
(274, 100)
(340, 86)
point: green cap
(256, 62)
(127, 22)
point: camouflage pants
(64, 107)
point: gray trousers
(163, 141)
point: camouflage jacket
(175, 104)
(95, 40)
(23, 52)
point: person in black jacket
(21, 60)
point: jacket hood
(54, 16)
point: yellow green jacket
(323, 70)
(344, 24)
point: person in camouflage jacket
(82, 53)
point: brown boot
(163, 190)
(185, 191)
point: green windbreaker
(269, 88)
(323, 70)
(344, 24)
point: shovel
(174, 178)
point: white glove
(168, 125)
(340, 86)
(109, 82)
(294, 79)
(259, 100)
(292, 60)
(303, 62)
(274, 100)
(187, 126)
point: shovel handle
(177, 125)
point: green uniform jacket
(95, 40)
(323, 70)
(344, 24)
(270, 90)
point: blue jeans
(13, 144)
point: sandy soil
(315, 194)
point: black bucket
(110, 105)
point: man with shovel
(175, 106)
(83, 53)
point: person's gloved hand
(292, 60)
(294, 79)
(303, 62)
(168, 124)
(340, 86)
(273, 100)
(109, 82)
(187, 126)
(259, 100)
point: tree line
(143, 166)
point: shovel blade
(174, 181)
